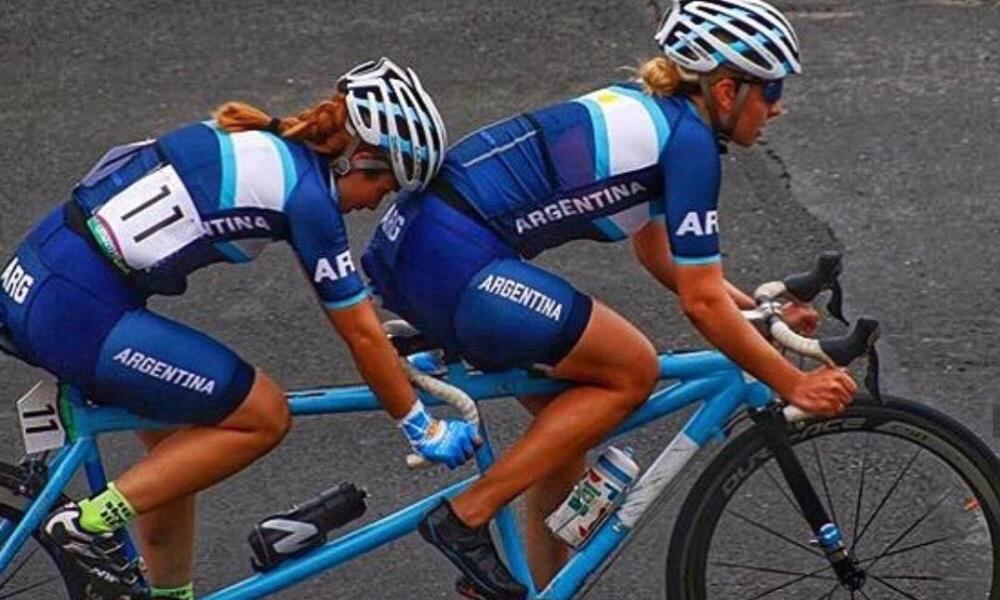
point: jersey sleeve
(691, 171)
(319, 237)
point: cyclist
(150, 213)
(635, 160)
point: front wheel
(37, 572)
(915, 494)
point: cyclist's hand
(451, 442)
(825, 391)
(439, 440)
(801, 317)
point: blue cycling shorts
(68, 311)
(458, 282)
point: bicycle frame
(702, 376)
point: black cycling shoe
(101, 557)
(472, 551)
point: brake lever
(872, 383)
(835, 306)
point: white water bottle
(594, 498)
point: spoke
(27, 588)
(918, 578)
(822, 478)
(893, 588)
(936, 578)
(911, 528)
(888, 495)
(14, 572)
(781, 488)
(813, 575)
(776, 534)
(770, 570)
(861, 493)
(816, 575)
(910, 548)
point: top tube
(87, 420)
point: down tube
(650, 487)
(337, 552)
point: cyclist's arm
(319, 238)
(714, 313)
(374, 356)
(691, 171)
(652, 248)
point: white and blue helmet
(389, 109)
(749, 35)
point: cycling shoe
(472, 551)
(101, 557)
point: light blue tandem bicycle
(890, 499)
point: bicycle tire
(944, 439)
(26, 578)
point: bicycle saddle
(407, 339)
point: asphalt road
(889, 153)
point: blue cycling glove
(445, 441)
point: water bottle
(594, 498)
(293, 533)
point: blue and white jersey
(199, 195)
(598, 167)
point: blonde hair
(661, 76)
(322, 126)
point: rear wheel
(915, 494)
(37, 572)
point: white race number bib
(150, 220)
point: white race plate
(41, 427)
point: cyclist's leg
(617, 366)
(197, 457)
(515, 313)
(546, 553)
(166, 534)
(169, 372)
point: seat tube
(510, 536)
(96, 478)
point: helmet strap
(370, 164)
(342, 164)
(742, 92)
(706, 96)
(724, 131)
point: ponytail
(322, 127)
(661, 76)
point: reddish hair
(322, 126)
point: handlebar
(837, 351)
(804, 287)
(833, 351)
(443, 390)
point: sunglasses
(771, 90)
